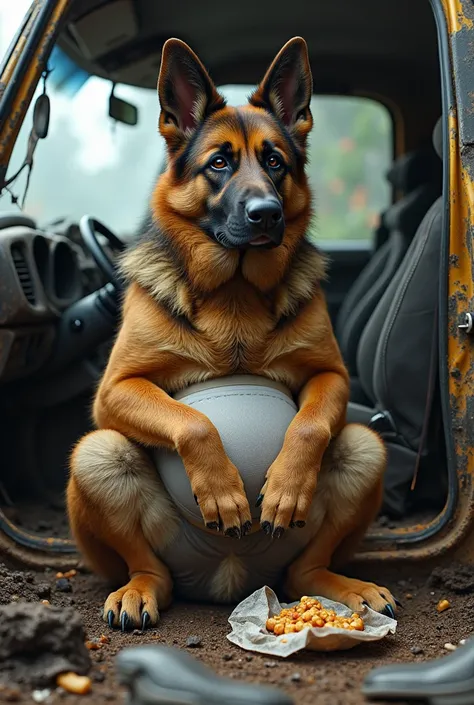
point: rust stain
(9, 68)
(461, 300)
(17, 50)
(457, 16)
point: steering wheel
(89, 227)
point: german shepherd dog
(224, 282)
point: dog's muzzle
(265, 218)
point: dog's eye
(218, 163)
(274, 161)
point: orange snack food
(72, 683)
(310, 613)
(443, 605)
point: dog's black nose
(264, 213)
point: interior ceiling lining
(237, 41)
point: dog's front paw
(286, 498)
(135, 606)
(223, 503)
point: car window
(350, 150)
(89, 164)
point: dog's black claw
(398, 603)
(233, 532)
(145, 620)
(278, 532)
(213, 525)
(110, 618)
(124, 621)
(388, 611)
(267, 527)
(259, 500)
(246, 528)
(300, 524)
(196, 499)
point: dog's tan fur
(195, 310)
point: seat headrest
(414, 169)
(438, 137)
(407, 213)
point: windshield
(89, 163)
(92, 164)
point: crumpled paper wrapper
(249, 618)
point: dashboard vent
(23, 272)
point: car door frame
(453, 530)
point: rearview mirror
(122, 111)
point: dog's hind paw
(356, 594)
(135, 606)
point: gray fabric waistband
(235, 380)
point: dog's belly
(212, 568)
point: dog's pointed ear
(287, 88)
(186, 93)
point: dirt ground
(326, 679)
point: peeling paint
(454, 260)
(458, 17)
(463, 58)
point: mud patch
(458, 578)
(328, 679)
(37, 642)
(17, 585)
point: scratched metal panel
(463, 57)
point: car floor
(50, 521)
(326, 679)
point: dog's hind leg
(120, 516)
(347, 499)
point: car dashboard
(42, 273)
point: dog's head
(236, 173)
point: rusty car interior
(59, 300)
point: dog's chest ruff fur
(236, 327)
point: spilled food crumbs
(443, 605)
(72, 683)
